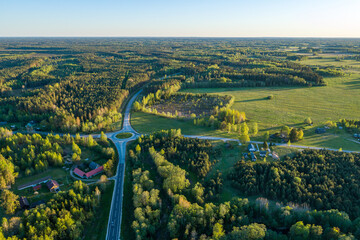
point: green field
(290, 106)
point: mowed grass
(291, 105)
(148, 123)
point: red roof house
(79, 172)
(94, 172)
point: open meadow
(289, 106)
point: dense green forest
(321, 179)
(170, 182)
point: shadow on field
(253, 100)
(353, 84)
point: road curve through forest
(114, 222)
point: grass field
(290, 106)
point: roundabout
(124, 135)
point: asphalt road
(114, 223)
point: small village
(255, 152)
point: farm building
(94, 172)
(79, 173)
(253, 156)
(263, 153)
(53, 186)
(251, 148)
(24, 203)
(89, 174)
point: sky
(184, 18)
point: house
(275, 156)
(251, 148)
(79, 173)
(29, 127)
(37, 187)
(24, 203)
(94, 172)
(263, 153)
(253, 157)
(94, 165)
(356, 135)
(53, 186)
(320, 130)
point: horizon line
(288, 37)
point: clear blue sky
(190, 18)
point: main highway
(114, 223)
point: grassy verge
(98, 227)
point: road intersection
(114, 223)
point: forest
(321, 179)
(79, 85)
(171, 183)
(62, 215)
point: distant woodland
(73, 85)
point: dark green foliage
(189, 152)
(191, 213)
(323, 179)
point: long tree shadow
(353, 84)
(252, 100)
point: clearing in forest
(185, 105)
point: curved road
(114, 223)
